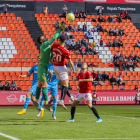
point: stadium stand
(17, 49)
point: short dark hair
(62, 38)
(0, 81)
(38, 39)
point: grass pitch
(119, 123)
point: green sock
(38, 93)
(45, 94)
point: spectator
(119, 19)
(68, 42)
(110, 44)
(116, 32)
(84, 27)
(121, 58)
(88, 50)
(65, 9)
(138, 44)
(130, 64)
(101, 43)
(105, 76)
(80, 62)
(101, 19)
(113, 81)
(82, 14)
(94, 98)
(6, 86)
(45, 9)
(75, 28)
(73, 44)
(120, 81)
(137, 95)
(127, 15)
(89, 35)
(115, 43)
(118, 54)
(69, 35)
(111, 32)
(5, 7)
(136, 58)
(99, 28)
(83, 42)
(83, 50)
(117, 63)
(121, 32)
(115, 58)
(71, 12)
(76, 14)
(79, 29)
(63, 33)
(120, 43)
(132, 58)
(99, 76)
(122, 15)
(110, 19)
(1, 85)
(77, 46)
(75, 65)
(94, 29)
(13, 85)
(100, 11)
(69, 28)
(94, 75)
(93, 44)
(94, 51)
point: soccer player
(42, 70)
(31, 93)
(85, 82)
(51, 85)
(59, 55)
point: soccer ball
(70, 17)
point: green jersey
(45, 49)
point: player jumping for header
(42, 70)
(85, 81)
(59, 55)
(31, 93)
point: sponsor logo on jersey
(12, 98)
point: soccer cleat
(38, 114)
(73, 98)
(36, 105)
(42, 112)
(21, 112)
(47, 106)
(99, 120)
(62, 104)
(54, 117)
(71, 120)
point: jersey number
(57, 57)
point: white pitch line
(94, 139)
(7, 136)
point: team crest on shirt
(83, 76)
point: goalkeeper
(45, 55)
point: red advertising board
(96, 1)
(104, 97)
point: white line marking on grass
(7, 136)
(94, 139)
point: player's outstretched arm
(27, 75)
(51, 74)
(55, 36)
(71, 65)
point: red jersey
(85, 87)
(59, 55)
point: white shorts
(81, 96)
(61, 72)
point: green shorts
(42, 73)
